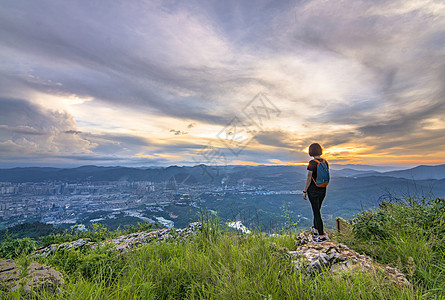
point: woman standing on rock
(315, 188)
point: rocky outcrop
(33, 277)
(124, 242)
(134, 240)
(335, 257)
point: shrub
(410, 234)
(371, 225)
(11, 248)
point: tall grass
(409, 234)
(213, 264)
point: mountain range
(202, 173)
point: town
(115, 202)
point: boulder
(33, 277)
(335, 257)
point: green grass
(409, 234)
(220, 264)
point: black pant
(316, 197)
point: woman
(316, 191)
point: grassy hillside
(219, 264)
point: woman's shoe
(321, 239)
(314, 231)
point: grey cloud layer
(188, 59)
(30, 134)
(27, 129)
(403, 51)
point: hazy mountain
(200, 173)
(348, 172)
(416, 173)
(419, 173)
(204, 174)
(369, 168)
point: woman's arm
(308, 182)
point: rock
(34, 277)
(343, 226)
(306, 237)
(336, 258)
(124, 242)
(45, 251)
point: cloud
(27, 129)
(135, 72)
(22, 130)
(354, 73)
(277, 138)
(178, 132)
(73, 131)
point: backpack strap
(318, 162)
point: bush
(11, 248)
(408, 233)
(371, 225)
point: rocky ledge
(123, 242)
(32, 277)
(335, 257)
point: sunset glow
(158, 83)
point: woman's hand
(308, 182)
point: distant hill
(369, 168)
(348, 172)
(196, 174)
(419, 173)
(205, 174)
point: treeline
(34, 230)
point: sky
(158, 83)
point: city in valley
(115, 203)
(266, 198)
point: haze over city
(158, 83)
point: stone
(343, 226)
(33, 277)
(337, 258)
(124, 242)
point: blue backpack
(322, 173)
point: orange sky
(151, 84)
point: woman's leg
(316, 198)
